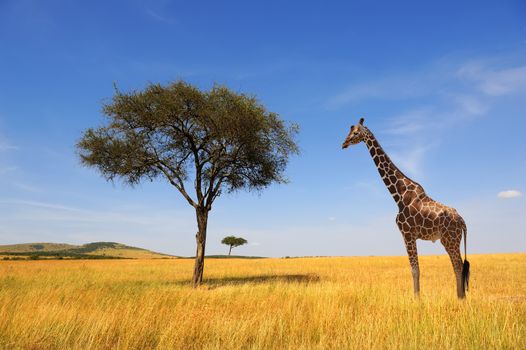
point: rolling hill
(95, 250)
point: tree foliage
(201, 142)
(224, 139)
(234, 241)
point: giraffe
(419, 216)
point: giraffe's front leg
(410, 245)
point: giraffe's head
(356, 134)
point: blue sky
(442, 86)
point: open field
(308, 303)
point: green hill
(36, 247)
(95, 250)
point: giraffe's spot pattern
(419, 216)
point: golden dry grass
(311, 303)
(130, 253)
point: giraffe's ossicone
(419, 216)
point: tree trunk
(230, 251)
(200, 237)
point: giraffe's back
(427, 219)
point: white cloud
(411, 160)
(26, 187)
(421, 127)
(332, 218)
(51, 212)
(422, 121)
(390, 88)
(143, 226)
(470, 105)
(410, 122)
(40, 205)
(509, 194)
(7, 169)
(465, 87)
(159, 10)
(5, 145)
(161, 18)
(462, 93)
(495, 82)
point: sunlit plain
(304, 303)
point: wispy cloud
(495, 82)
(26, 187)
(509, 194)
(411, 160)
(161, 18)
(5, 145)
(410, 122)
(461, 93)
(7, 169)
(6, 148)
(469, 105)
(460, 108)
(158, 10)
(45, 211)
(37, 204)
(391, 88)
(466, 83)
(30, 13)
(31, 220)
(371, 186)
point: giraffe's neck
(395, 181)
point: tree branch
(179, 186)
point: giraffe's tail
(465, 266)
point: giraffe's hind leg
(452, 245)
(412, 253)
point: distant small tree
(233, 242)
(203, 143)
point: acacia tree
(203, 143)
(233, 241)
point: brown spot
(428, 223)
(407, 198)
(400, 186)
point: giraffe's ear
(361, 121)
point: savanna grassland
(307, 303)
